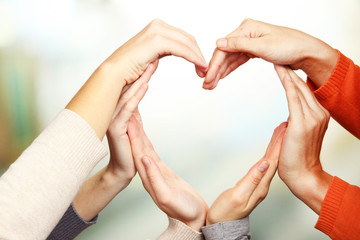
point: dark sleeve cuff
(231, 230)
(70, 225)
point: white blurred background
(48, 49)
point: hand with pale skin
(239, 201)
(275, 44)
(100, 94)
(170, 193)
(299, 163)
(100, 189)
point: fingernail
(221, 43)
(263, 166)
(146, 161)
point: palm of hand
(182, 201)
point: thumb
(240, 44)
(248, 184)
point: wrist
(310, 188)
(114, 72)
(320, 62)
(116, 178)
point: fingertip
(200, 72)
(221, 43)
(283, 125)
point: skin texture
(171, 194)
(299, 163)
(275, 44)
(240, 200)
(101, 188)
(100, 94)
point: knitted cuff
(333, 84)
(331, 205)
(179, 231)
(231, 230)
(70, 225)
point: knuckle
(263, 193)
(126, 107)
(256, 179)
(156, 22)
(164, 200)
(117, 129)
(192, 38)
(312, 124)
(247, 21)
(237, 201)
(154, 26)
(157, 39)
(125, 96)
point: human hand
(240, 200)
(171, 194)
(156, 40)
(121, 164)
(100, 189)
(275, 44)
(299, 162)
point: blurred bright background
(48, 49)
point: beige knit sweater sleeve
(39, 186)
(179, 231)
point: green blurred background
(48, 49)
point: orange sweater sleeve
(340, 212)
(340, 95)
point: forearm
(96, 100)
(39, 186)
(97, 192)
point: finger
(181, 48)
(274, 137)
(304, 103)
(275, 144)
(254, 46)
(137, 115)
(247, 185)
(243, 58)
(261, 191)
(235, 60)
(132, 88)
(179, 34)
(230, 58)
(140, 143)
(215, 64)
(200, 72)
(294, 102)
(153, 180)
(305, 90)
(129, 107)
